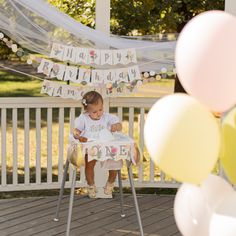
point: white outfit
(90, 128)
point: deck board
(91, 217)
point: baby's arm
(79, 127)
(77, 133)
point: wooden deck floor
(92, 217)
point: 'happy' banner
(88, 56)
(88, 76)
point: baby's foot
(92, 191)
(108, 189)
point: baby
(87, 126)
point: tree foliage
(140, 16)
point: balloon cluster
(188, 140)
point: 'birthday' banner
(88, 76)
(88, 56)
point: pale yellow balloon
(228, 154)
(183, 138)
(75, 156)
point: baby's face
(95, 110)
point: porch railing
(34, 136)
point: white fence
(34, 134)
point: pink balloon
(206, 59)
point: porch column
(230, 6)
(102, 24)
(103, 16)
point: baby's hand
(116, 127)
(76, 133)
(83, 139)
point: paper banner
(93, 56)
(106, 57)
(57, 51)
(71, 73)
(109, 76)
(97, 77)
(122, 75)
(84, 76)
(47, 87)
(118, 57)
(45, 66)
(66, 91)
(134, 73)
(131, 56)
(82, 56)
(58, 71)
(87, 76)
(70, 54)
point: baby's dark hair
(91, 97)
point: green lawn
(16, 85)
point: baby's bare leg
(89, 171)
(112, 176)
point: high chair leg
(61, 190)
(130, 173)
(121, 194)
(72, 193)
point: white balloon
(215, 190)
(195, 205)
(223, 221)
(192, 214)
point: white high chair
(74, 168)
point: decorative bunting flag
(97, 77)
(57, 51)
(122, 75)
(66, 91)
(86, 56)
(70, 54)
(82, 56)
(56, 89)
(58, 71)
(71, 73)
(106, 57)
(94, 56)
(134, 73)
(84, 76)
(87, 76)
(45, 67)
(109, 76)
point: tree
(156, 16)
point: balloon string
(20, 72)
